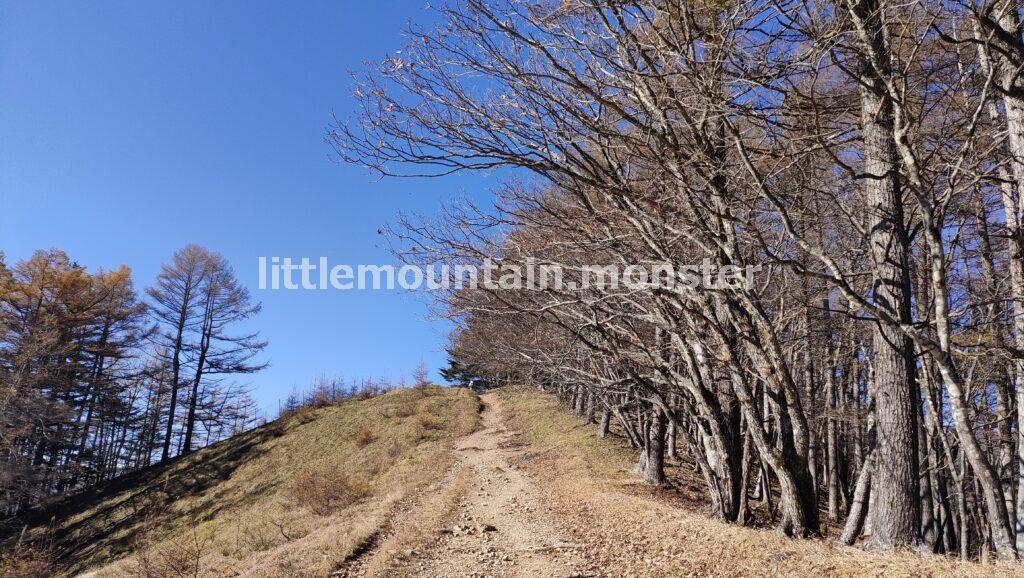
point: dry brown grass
(364, 437)
(24, 561)
(405, 410)
(25, 565)
(325, 492)
(239, 497)
(634, 530)
(429, 422)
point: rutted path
(590, 518)
(503, 527)
(499, 526)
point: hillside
(421, 483)
(294, 497)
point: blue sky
(129, 129)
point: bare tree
(222, 302)
(862, 152)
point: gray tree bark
(654, 467)
(894, 510)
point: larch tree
(173, 303)
(221, 303)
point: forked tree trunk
(859, 504)
(627, 427)
(641, 462)
(578, 400)
(796, 502)
(165, 453)
(204, 349)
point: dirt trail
(496, 525)
(503, 527)
(501, 511)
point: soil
(498, 523)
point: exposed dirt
(553, 500)
(495, 524)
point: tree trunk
(654, 467)
(204, 348)
(591, 410)
(175, 373)
(1012, 197)
(743, 511)
(832, 448)
(672, 435)
(894, 509)
(606, 421)
(1011, 193)
(858, 505)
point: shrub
(429, 422)
(25, 561)
(325, 492)
(363, 437)
(256, 538)
(395, 450)
(421, 390)
(178, 557)
(305, 414)
(405, 408)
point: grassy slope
(634, 530)
(235, 507)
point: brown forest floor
(630, 529)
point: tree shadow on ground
(112, 517)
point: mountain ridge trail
(535, 492)
(498, 524)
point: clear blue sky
(129, 129)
